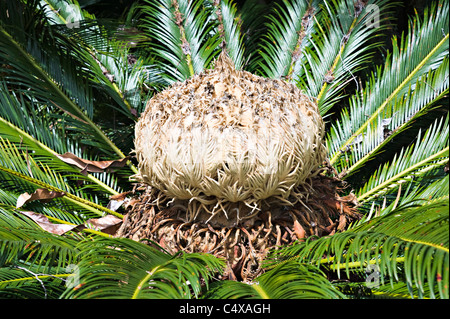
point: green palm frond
(290, 280)
(107, 60)
(181, 33)
(30, 246)
(407, 68)
(320, 46)
(411, 163)
(398, 116)
(28, 175)
(252, 16)
(64, 11)
(288, 33)
(408, 244)
(229, 30)
(22, 283)
(41, 66)
(398, 290)
(135, 270)
(72, 82)
(33, 262)
(342, 47)
(20, 125)
(416, 193)
(431, 191)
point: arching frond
(135, 271)
(106, 57)
(422, 50)
(33, 262)
(409, 244)
(253, 16)
(20, 125)
(430, 89)
(19, 282)
(321, 45)
(30, 246)
(342, 46)
(429, 152)
(229, 30)
(28, 175)
(416, 193)
(43, 68)
(72, 82)
(181, 33)
(288, 33)
(290, 280)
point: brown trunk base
(319, 211)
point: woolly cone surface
(225, 144)
(230, 164)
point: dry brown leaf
(342, 222)
(350, 198)
(298, 230)
(120, 196)
(117, 201)
(45, 224)
(41, 194)
(108, 224)
(91, 166)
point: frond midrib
(394, 93)
(91, 206)
(79, 114)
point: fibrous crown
(228, 140)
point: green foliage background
(74, 77)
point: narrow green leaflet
(429, 152)
(409, 245)
(135, 270)
(421, 51)
(289, 280)
(181, 30)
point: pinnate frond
(290, 280)
(429, 152)
(136, 271)
(409, 245)
(422, 50)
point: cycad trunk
(234, 166)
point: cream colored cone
(227, 137)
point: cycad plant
(368, 219)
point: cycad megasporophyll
(283, 144)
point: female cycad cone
(231, 164)
(225, 144)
